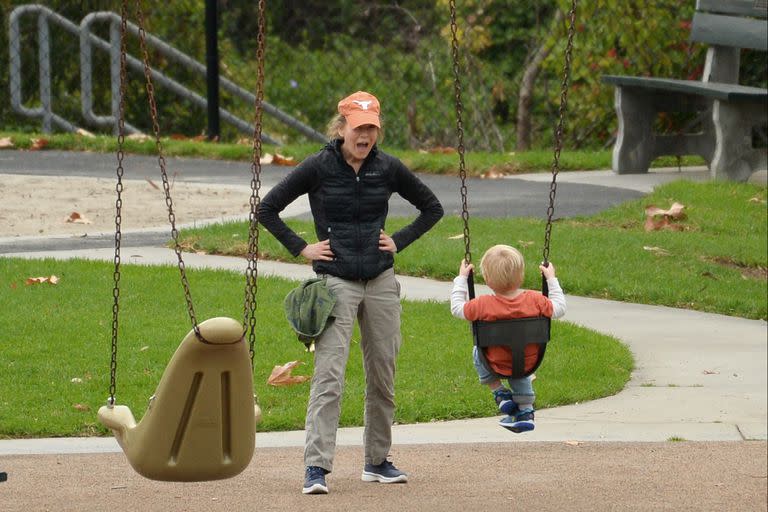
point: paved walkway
(699, 377)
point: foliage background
(318, 51)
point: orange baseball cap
(360, 108)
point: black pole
(212, 67)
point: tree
(531, 71)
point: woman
(349, 183)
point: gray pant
(376, 305)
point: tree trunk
(527, 85)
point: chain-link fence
(63, 73)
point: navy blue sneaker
(386, 473)
(314, 481)
(521, 421)
(504, 401)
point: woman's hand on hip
(318, 251)
(386, 243)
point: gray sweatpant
(376, 305)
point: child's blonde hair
(503, 268)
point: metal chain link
(118, 204)
(251, 273)
(161, 160)
(558, 135)
(560, 130)
(460, 130)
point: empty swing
(201, 422)
(519, 332)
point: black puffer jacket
(350, 209)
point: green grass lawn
(717, 263)
(55, 342)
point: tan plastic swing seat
(201, 422)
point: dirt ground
(43, 205)
(673, 476)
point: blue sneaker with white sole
(385, 473)
(521, 421)
(314, 481)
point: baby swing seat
(516, 334)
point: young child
(503, 269)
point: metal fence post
(44, 61)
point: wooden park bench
(727, 111)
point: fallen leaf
(710, 372)
(675, 211)
(656, 224)
(40, 280)
(283, 160)
(492, 174)
(81, 407)
(756, 199)
(6, 142)
(442, 150)
(77, 218)
(657, 218)
(455, 237)
(573, 443)
(38, 144)
(281, 375)
(657, 250)
(525, 244)
(85, 133)
(76, 380)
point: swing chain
(118, 204)
(161, 160)
(560, 129)
(251, 273)
(460, 130)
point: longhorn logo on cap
(363, 104)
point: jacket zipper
(357, 225)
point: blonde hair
(338, 122)
(503, 268)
